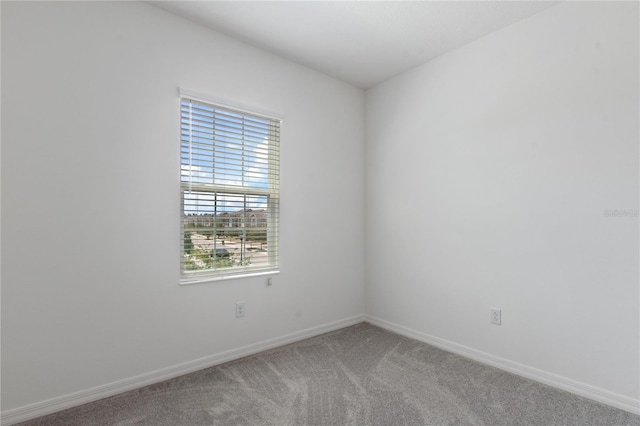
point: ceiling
(360, 42)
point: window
(229, 178)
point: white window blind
(230, 185)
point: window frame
(271, 192)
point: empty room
(320, 213)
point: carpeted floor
(361, 375)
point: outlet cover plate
(495, 316)
(240, 309)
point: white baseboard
(53, 405)
(588, 391)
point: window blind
(230, 190)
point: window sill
(202, 280)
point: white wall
(488, 173)
(90, 197)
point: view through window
(229, 172)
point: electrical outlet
(495, 316)
(240, 309)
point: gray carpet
(361, 375)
